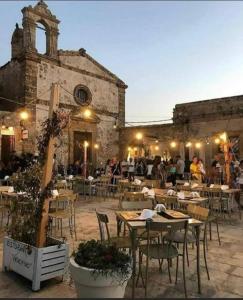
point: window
(82, 95)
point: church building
(26, 81)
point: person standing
(180, 166)
(149, 169)
(194, 169)
(131, 169)
(124, 168)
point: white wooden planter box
(35, 264)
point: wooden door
(7, 147)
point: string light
(129, 149)
(217, 141)
(189, 144)
(173, 144)
(24, 115)
(198, 145)
(86, 144)
(223, 136)
(156, 148)
(96, 146)
(139, 136)
(87, 113)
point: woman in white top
(131, 169)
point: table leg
(198, 258)
(118, 226)
(134, 246)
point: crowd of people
(16, 163)
(150, 168)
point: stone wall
(197, 130)
(105, 102)
(11, 84)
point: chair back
(123, 186)
(154, 183)
(170, 202)
(103, 221)
(61, 185)
(136, 205)
(198, 212)
(170, 227)
(133, 196)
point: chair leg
(184, 273)
(168, 261)
(187, 256)
(205, 258)
(140, 269)
(177, 262)
(146, 275)
(217, 226)
(210, 231)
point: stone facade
(28, 78)
(195, 122)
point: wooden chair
(170, 202)
(163, 250)
(123, 242)
(135, 201)
(215, 206)
(102, 186)
(61, 184)
(154, 183)
(63, 208)
(201, 214)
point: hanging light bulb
(96, 146)
(189, 144)
(223, 136)
(87, 113)
(198, 145)
(139, 136)
(173, 144)
(24, 115)
(156, 148)
(217, 141)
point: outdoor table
(191, 200)
(4, 188)
(135, 225)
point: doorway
(78, 146)
(7, 147)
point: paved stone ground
(225, 263)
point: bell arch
(38, 18)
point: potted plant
(100, 270)
(28, 250)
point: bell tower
(40, 14)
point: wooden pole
(47, 174)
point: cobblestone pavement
(225, 263)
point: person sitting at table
(3, 171)
(195, 169)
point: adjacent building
(194, 130)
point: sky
(167, 52)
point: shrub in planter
(100, 270)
